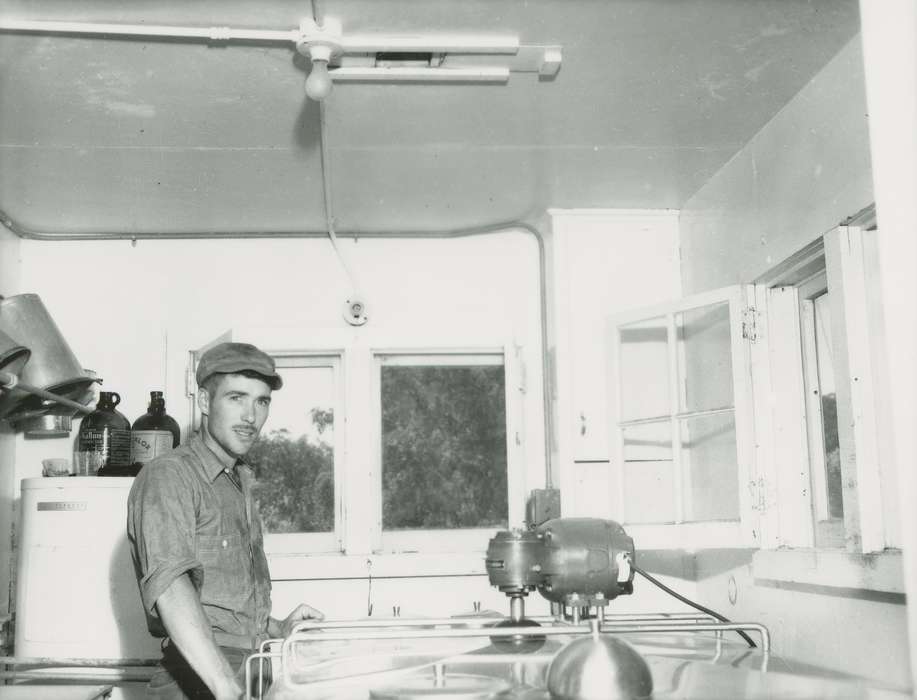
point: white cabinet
(602, 262)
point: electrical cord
(697, 606)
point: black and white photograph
(441, 350)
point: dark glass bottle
(154, 433)
(103, 445)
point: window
(294, 460)
(682, 420)
(442, 447)
(815, 385)
(372, 451)
(818, 361)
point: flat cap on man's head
(234, 358)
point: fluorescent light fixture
(430, 43)
(325, 45)
(418, 74)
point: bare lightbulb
(318, 84)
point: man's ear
(203, 401)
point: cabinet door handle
(582, 423)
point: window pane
(826, 389)
(443, 447)
(644, 369)
(705, 358)
(648, 477)
(294, 458)
(708, 460)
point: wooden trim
(865, 219)
(743, 415)
(815, 432)
(847, 244)
(680, 478)
(797, 267)
(832, 567)
(790, 455)
(763, 483)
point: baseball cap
(229, 358)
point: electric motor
(574, 561)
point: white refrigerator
(76, 593)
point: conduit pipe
(548, 379)
(352, 44)
(153, 30)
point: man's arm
(181, 612)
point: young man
(196, 536)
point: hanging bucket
(52, 365)
(13, 356)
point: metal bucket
(52, 366)
(13, 356)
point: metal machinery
(577, 653)
(580, 563)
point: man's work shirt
(187, 514)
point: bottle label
(102, 447)
(148, 444)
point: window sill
(301, 567)
(837, 569)
(686, 536)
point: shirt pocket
(213, 546)
(227, 565)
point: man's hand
(229, 690)
(283, 628)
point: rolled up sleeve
(161, 529)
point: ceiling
(145, 137)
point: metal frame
(456, 628)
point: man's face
(235, 412)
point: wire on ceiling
(329, 201)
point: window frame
(789, 518)
(318, 542)
(288, 543)
(828, 531)
(358, 525)
(683, 533)
(445, 540)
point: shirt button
(225, 544)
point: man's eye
(264, 402)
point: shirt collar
(212, 464)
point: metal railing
(310, 631)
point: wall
(9, 282)
(132, 312)
(846, 629)
(802, 174)
(806, 171)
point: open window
(821, 372)
(681, 421)
(821, 366)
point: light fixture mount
(320, 44)
(323, 40)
